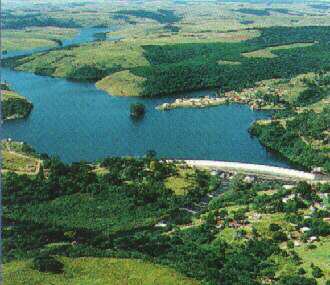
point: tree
(137, 110)
(47, 263)
(316, 271)
(274, 227)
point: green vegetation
(13, 106)
(80, 223)
(268, 52)
(148, 221)
(151, 69)
(301, 132)
(16, 21)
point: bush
(316, 271)
(47, 263)
(137, 110)
(279, 236)
(301, 271)
(274, 227)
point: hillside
(167, 51)
(136, 209)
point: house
(312, 209)
(318, 170)
(324, 195)
(289, 197)
(305, 229)
(257, 216)
(296, 243)
(313, 239)
(249, 179)
(161, 225)
(214, 173)
(288, 187)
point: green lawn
(95, 271)
(319, 256)
(180, 182)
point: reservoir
(76, 121)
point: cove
(76, 121)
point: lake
(76, 121)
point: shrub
(290, 244)
(301, 271)
(47, 263)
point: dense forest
(161, 15)
(290, 141)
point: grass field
(180, 182)
(268, 52)
(95, 271)
(31, 38)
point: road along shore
(258, 170)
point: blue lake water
(76, 121)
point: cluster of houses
(201, 102)
(247, 96)
(316, 206)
